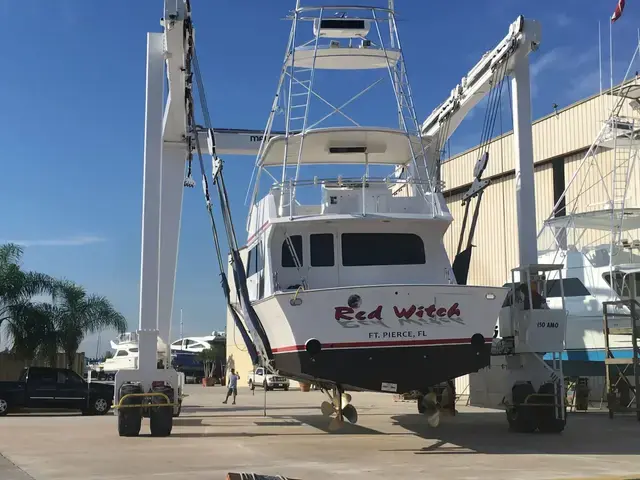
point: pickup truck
(55, 388)
(268, 381)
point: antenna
(181, 325)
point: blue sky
(72, 117)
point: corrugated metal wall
(570, 130)
(496, 240)
(567, 134)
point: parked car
(268, 381)
(59, 388)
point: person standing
(233, 386)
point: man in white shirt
(233, 386)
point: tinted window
(69, 378)
(361, 249)
(321, 248)
(254, 260)
(122, 353)
(287, 257)
(573, 287)
(44, 376)
(251, 263)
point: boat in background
(591, 232)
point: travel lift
(518, 379)
(171, 136)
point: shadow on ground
(487, 432)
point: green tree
(76, 314)
(22, 318)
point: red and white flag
(618, 12)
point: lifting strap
(251, 330)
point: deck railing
(417, 196)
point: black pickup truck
(55, 388)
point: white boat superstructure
(197, 344)
(595, 237)
(346, 268)
(125, 352)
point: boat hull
(393, 338)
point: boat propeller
(339, 404)
(431, 409)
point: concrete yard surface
(391, 440)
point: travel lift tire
(130, 419)
(161, 418)
(547, 422)
(527, 419)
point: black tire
(421, 407)
(286, 388)
(546, 421)
(4, 406)
(130, 419)
(522, 418)
(251, 385)
(161, 418)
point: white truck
(260, 378)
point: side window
(122, 353)
(259, 257)
(365, 249)
(44, 376)
(259, 371)
(321, 249)
(287, 257)
(251, 262)
(69, 378)
(573, 287)
(255, 262)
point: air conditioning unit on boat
(341, 27)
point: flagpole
(611, 61)
(600, 55)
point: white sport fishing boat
(346, 267)
(592, 231)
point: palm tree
(31, 330)
(17, 288)
(75, 314)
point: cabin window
(321, 248)
(255, 261)
(363, 249)
(573, 287)
(287, 257)
(122, 353)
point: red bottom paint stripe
(387, 343)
